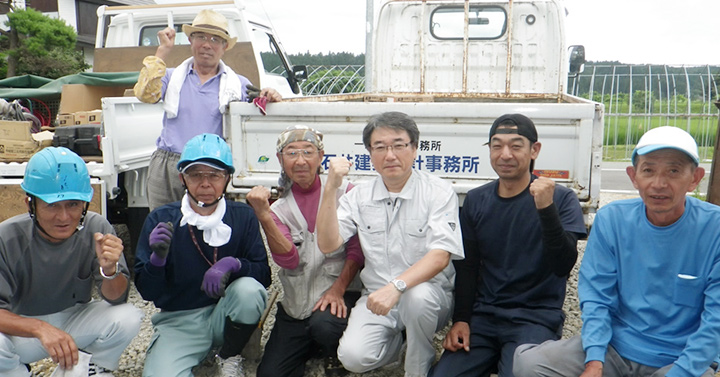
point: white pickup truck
(454, 66)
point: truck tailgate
(452, 138)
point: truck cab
(492, 47)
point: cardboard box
(87, 117)
(65, 120)
(81, 97)
(15, 130)
(17, 150)
(44, 138)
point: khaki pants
(164, 185)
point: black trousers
(492, 347)
(293, 342)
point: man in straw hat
(317, 301)
(195, 95)
(649, 282)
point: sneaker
(333, 367)
(95, 370)
(230, 367)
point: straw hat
(210, 22)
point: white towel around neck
(215, 232)
(230, 87)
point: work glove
(160, 238)
(217, 277)
(252, 92)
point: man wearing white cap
(195, 95)
(649, 282)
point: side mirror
(300, 72)
(577, 60)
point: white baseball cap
(666, 137)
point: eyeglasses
(293, 154)
(383, 149)
(200, 176)
(202, 38)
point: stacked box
(87, 117)
(16, 142)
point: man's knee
(421, 295)
(126, 319)
(246, 299)
(326, 328)
(551, 358)
(426, 306)
(526, 360)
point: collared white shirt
(395, 234)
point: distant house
(80, 14)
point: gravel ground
(131, 362)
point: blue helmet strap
(32, 209)
(203, 204)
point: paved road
(614, 178)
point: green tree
(40, 45)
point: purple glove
(216, 278)
(160, 242)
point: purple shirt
(198, 110)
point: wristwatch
(399, 285)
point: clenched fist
(542, 190)
(339, 167)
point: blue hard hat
(56, 174)
(208, 148)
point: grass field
(623, 132)
(623, 152)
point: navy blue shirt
(177, 285)
(512, 270)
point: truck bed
(442, 97)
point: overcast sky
(630, 31)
